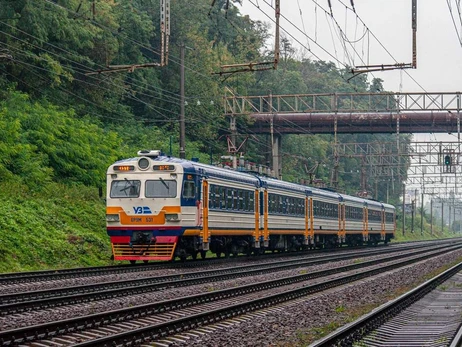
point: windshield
(161, 189)
(125, 189)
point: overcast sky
(439, 52)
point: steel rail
(26, 301)
(153, 332)
(54, 329)
(354, 331)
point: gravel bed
(81, 281)
(70, 311)
(297, 324)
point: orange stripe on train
(142, 219)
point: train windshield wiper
(130, 184)
(165, 184)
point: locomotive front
(143, 210)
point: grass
(59, 227)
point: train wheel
(218, 255)
(133, 262)
(183, 258)
(194, 255)
(203, 254)
(145, 261)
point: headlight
(143, 163)
(112, 217)
(172, 217)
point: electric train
(160, 208)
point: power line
(454, 21)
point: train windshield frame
(125, 188)
(160, 188)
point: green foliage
(42, 143)
(46, 230)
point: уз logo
(142, 210)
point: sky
(439, 50)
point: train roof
(275, 183)
(254, 179)
(210, 170)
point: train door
(258, 238)
(263, 208)
(383, 224)
(365, 223)
(341, 220)
(204, 236)
(308, 237)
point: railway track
(60, 274)
(157, 320)
(429, 315)
(35, 300)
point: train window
(389, 217)
(160, 188)
(189, 188)
(374, 215)
(214, 196)
(251, 201)
(235, 199)
(229, 198)
(222, 198)
(125, 189)
(241, 200)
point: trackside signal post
(448, 160)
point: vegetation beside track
(46, 230)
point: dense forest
(63, 122)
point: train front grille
(157, 251)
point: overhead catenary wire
(311, 39)
(77, 65)
(201, 119)
(113, 111)
(18, 52)
(383, 46)
(459, 34)
(48, 1)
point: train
(159, 207)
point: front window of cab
(161, 189)
(125, 189)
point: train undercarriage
(226, 246)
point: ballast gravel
(15, 321)
(303, 322)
